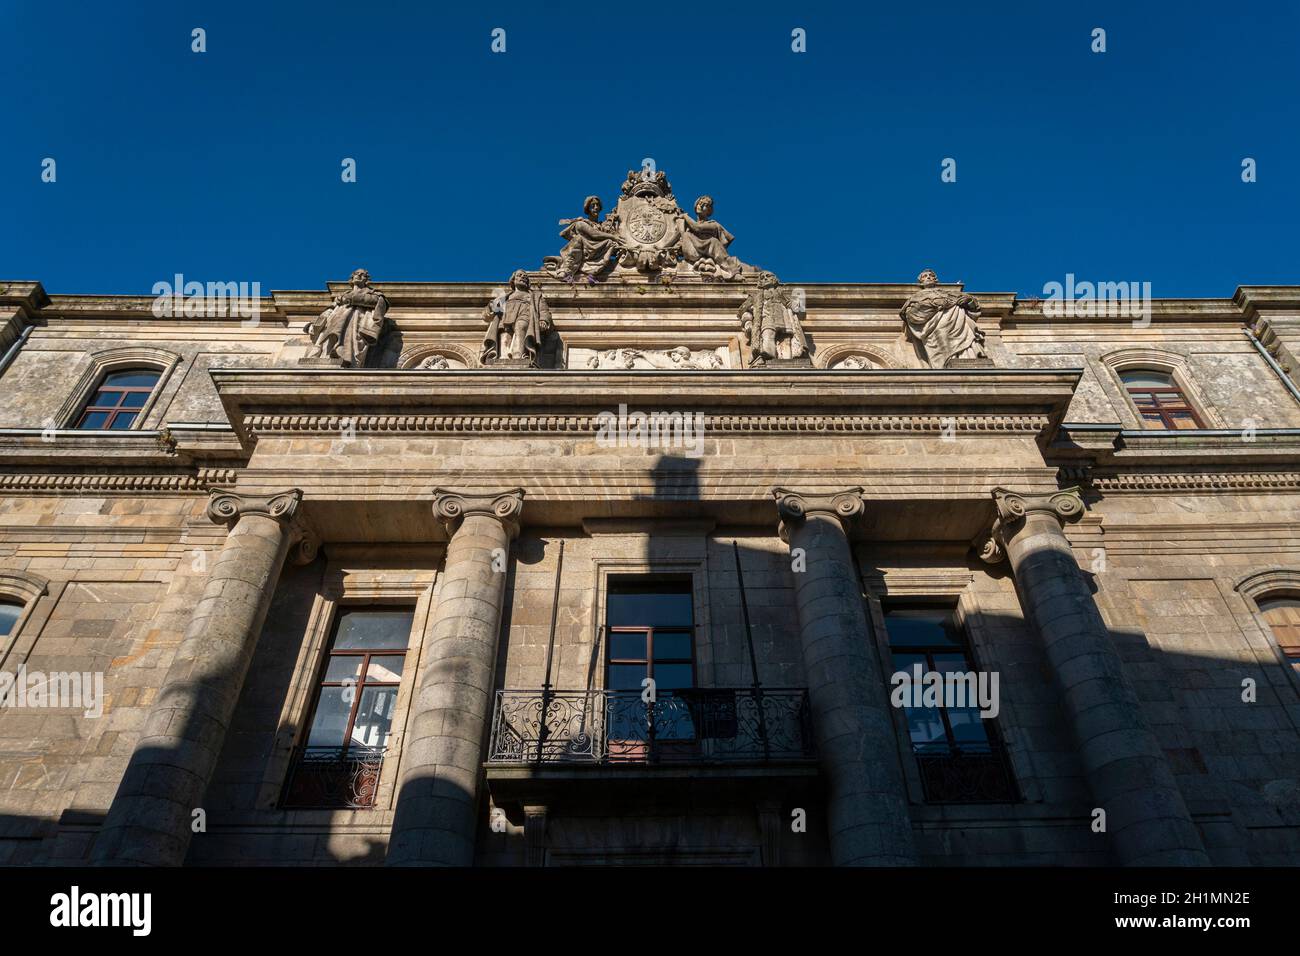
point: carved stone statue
(434, 362)
(591, 249)
(704, 243)
(680, 357)
(517, 322)
(771, 318)
(348, 328)
(942, 324)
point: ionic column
(1146, 817)
(150, 820)
(437, 801)
(869, 823)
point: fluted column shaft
(150, 820)
(437, 803)
(1146, 816)
(868, 819)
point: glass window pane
(665, 606)
(132, 379)
(920, 628)
(1277, 603)
(374, 716)
(967, 727)
(925, 726)
(9, 617)
(672, 676)
(134, 399)
(106, 399)
(906, 663)
(374, 628)
(122, 420)
(626, 676)
(330, 721)
(342, 667)
(1147, 378)
(624, 646)
(386, 669)
(94, 420)
(672, 646)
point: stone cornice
(1019, 396)
(1185, 481)
(122, 482)
(453, 507)
(586, 424)
(1103, 445)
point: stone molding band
(453, 507)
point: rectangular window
(958, 753)
(339, 761)
(650, 633)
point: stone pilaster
(150, 821)
(869, 823)
(437, 799)
(1146, 816)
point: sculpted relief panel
(680, 357)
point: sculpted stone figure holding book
(348, 328)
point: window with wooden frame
(650, 633)
(118, 399)
(1159, 400)
(338, 762)
(958, 753)
(1283, 617)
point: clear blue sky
(225, 166)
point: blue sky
(225, 166)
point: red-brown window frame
(111, 412)
(1160, 409)
(360, 684)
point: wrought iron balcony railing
(335, 778)
(699, 725)
(971, 773)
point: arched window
(1283, 617)
(1159, 400)
(10, 611)
(118, 399)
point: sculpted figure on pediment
(518, 320)
(941, 323)
(351, 325)
(771, 318)
(704, 243)
(591, 246)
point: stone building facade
(618, 569)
